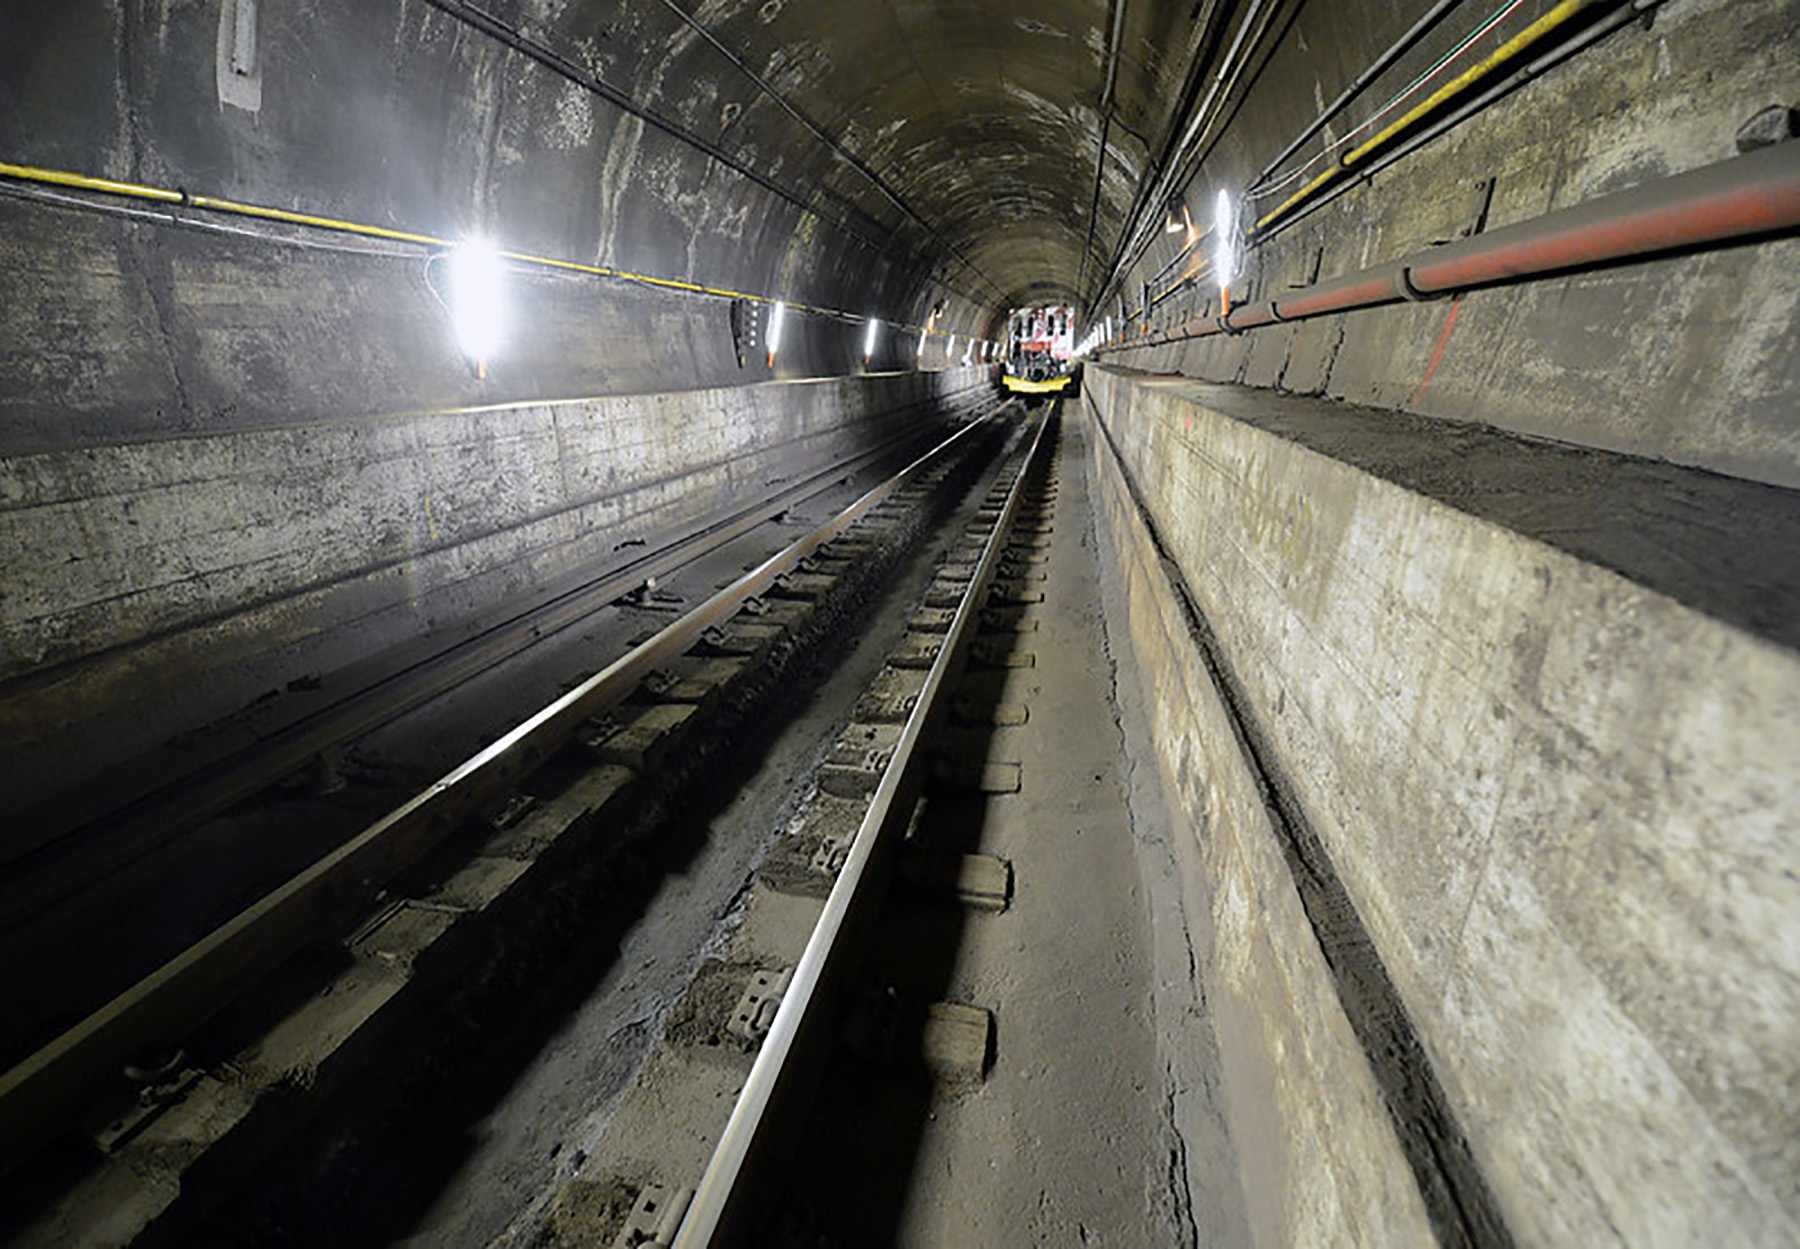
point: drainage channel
(470, 882)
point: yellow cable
(304, 219)
(136, 190)
(1556, 18)
(58, 177)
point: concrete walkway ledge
(1537, 709)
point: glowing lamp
(475, 282)
(1224, 228)
(777, 315)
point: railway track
(84, 836)
(237, 1045)
(981, 588)
(148, 858)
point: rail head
(720, 1205)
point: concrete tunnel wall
(1553, 782)
(1557, 800)
(400, 117)
(1555, 795)
(239, 454)
(1694, 360)
(175, 580)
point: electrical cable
(1427, 22)
(518, 41)
(1200, 112)
(1449, 58)
(29, 175)
(1506, 86)
(1551, 23)
(1214, 122)
(38, 195)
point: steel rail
(111, 839)
(40, 1095)
(721, 1208)
(1747, 197)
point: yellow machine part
(1020, 386)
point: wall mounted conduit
(180, 197)
(1746, 197)
(1559, 22)
(1399, 48)
(1504, 84)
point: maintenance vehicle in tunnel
(1040, 352)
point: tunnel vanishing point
(1438, 436)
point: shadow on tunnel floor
(853, 1164)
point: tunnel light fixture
(950, 349)
(869, 340)
(1225, 258)
(969, 353)
(777, 315)
(921, 351)
(476, 290)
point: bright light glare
(869, 340)
(969, 353)
(950, 348)
(777, 315)
(476, 295)
(922, 334)
(1224, 226)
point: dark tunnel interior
(1430, 483)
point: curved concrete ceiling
(972, 132)
(684, 164)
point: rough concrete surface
(1556, 798)
(1536, 701)
(1087, 1127)
(1316, 1153)
(225, 566)
(1691, 359)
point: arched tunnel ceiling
(970, 132)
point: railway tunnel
(1391, 638)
